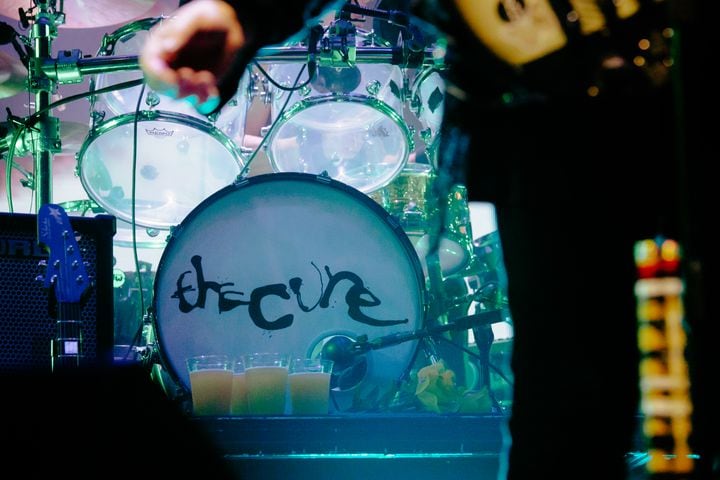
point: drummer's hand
(186, 55)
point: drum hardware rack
(46, 73)
(70, 66)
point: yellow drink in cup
(309, 383)
(266, 376)
(210, 384)
(239, 403)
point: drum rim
(380, 214)
(132, 27)
(89, 207)
(143, 116)
(374, 103)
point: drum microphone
(342, 349)
(314, 37)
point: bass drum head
(180, 162)
(286, 263)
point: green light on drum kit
(349, 202)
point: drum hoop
(422, 168)
(89, 207)
(424, 75)
(418, 82)
(110, 39)
(374, 103)
(176, 234)
(152, 115)
(84, 205)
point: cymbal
(72, 137)
(13, 75)
(91, 14)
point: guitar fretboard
(67, 345)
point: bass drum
(348, 122)
(292, 263)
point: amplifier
(27, 320)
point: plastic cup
(239, 402)
(210, 384)
(266, 376)
(309, 383)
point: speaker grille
(27, 323)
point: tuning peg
(40, 278)
(43, 263)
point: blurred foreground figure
(562, 115)
(87, 422)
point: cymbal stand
(45, 74)
(47, 142)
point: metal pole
(47, 139)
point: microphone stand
(362, 345)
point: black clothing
(582, 153)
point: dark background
(666, 120)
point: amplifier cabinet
(27, 317)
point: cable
(279, 86)
(138, 274)
(8, 166)
(245, 169)
(30, 121)
(80, 96)
(477, 357)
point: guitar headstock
(66, 271)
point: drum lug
(173, 232)
(152, 99)
(258, 87)
(373, 88)
(241, 180)
(246, 151)
(412, 131)
(323, 177)
(97, 117)
(427, 136)
(394, 222)
(415, 105)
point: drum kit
(344, 234)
